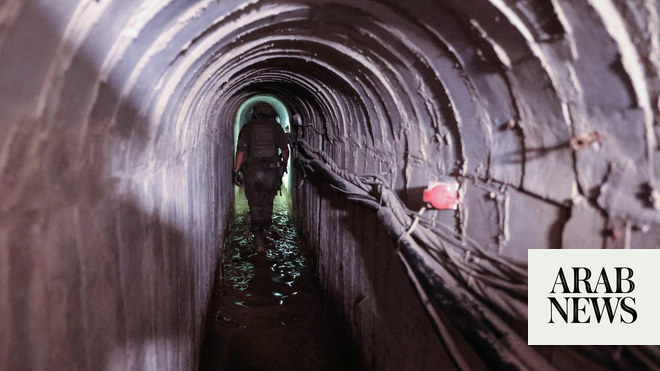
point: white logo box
(543, 269)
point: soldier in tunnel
(262, 153)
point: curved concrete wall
(116, 141)
(113, 198)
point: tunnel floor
(268, 311)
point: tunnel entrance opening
(243, 115)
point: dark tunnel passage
(117, 125)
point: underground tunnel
(117, 129)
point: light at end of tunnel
(244, 115)
(442, 195)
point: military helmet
(263, 109)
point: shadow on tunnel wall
(102, 269)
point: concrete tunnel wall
(116, 122)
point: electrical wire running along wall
(116, 122)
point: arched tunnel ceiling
(136, 100)
(490, 89)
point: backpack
(262, 140)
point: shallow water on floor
(283, 255)
(268, 311)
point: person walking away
(262, 153)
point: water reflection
(283, 255)
(267, 314)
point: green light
(244, 115)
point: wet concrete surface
(268, 311)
